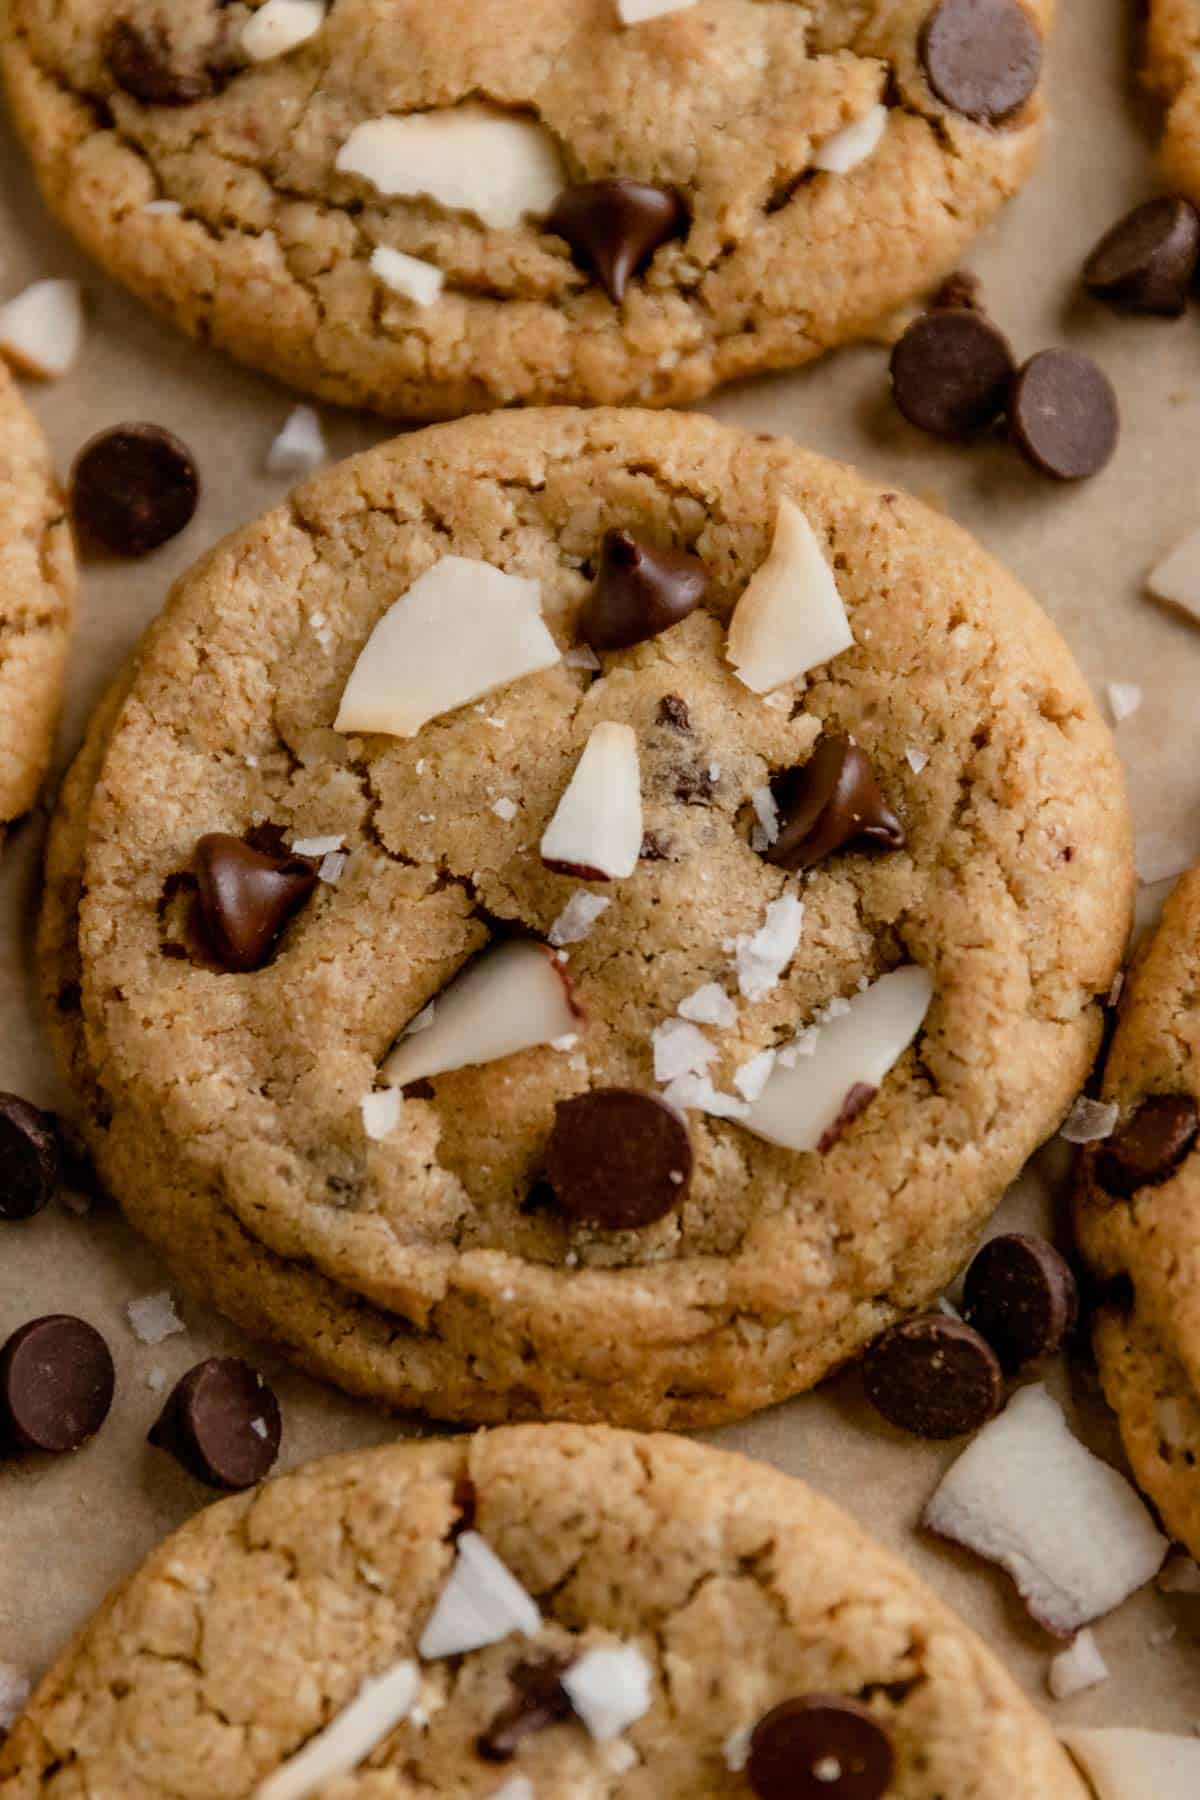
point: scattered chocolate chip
(673, 711)
(1063, 414)
(1021, 1295)
(56, 1385)
(133, 487)
(141, 60)
(951, 372)
(962, 288)
(221, 1422)
(833, 801)
(30, 1160)
(246, 898)
(618, 1158)
(820, 1747)
(934, 1376)
(982, 57)
(639, 592)
(614, 227)
(857, 1100)
(1147, 261)
(539, 1700)
(1150, 1146)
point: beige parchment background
(71, 1528)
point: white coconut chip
(761, 957)
(1089, 1121)
(709, 1005)
(381, 1112)
(680, 1048)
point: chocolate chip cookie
(556, 1611)
(1173, 39)
(435, 210)
(37, 597)
(509, 1024)
(1139, 1217)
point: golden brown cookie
(1173, 40)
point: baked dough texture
(1172, 70)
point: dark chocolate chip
(133, 488)
(1021, 1295)
(614, 227)
(820, 1747)
(539, 1700)
(1147, 261)
(857, 1100)
(1150, 1146)
(1063, 414)
(56, 1385)
(951, 372)
(982, 57)
(962, 288)
(221, 1422)
(833, 801)
(618, 1158)
(30, 1160)
(934, 1376)
(673, 711)
(639, 592)
(246, 898)
(141, 60)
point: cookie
(432, 211)
(1172, 40)
(301, 974)
(1139, 1217)
(37, 597)
(582, 1609)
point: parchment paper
(71, 1528)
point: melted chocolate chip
(221, 1422)
(539, 1700)
(935, 1377)
(133, 488)
(832, 802)
(951, 372)
(639, 592)
(1063, 414)
(1147, 261)
(982, 57)
(614, 227)
(56, 1385)
(1021, 1295)
(618, 1158)
(246, 898)
(1148, 1148)
(673, 711)
(142, 61)
(820, 1747)
(30, 1160)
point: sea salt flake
(1076, 1668)
(577, 918)
(1124, 699)
(381, 1112)
(1090, 1120)
(156, 1380)
(761, 957)
(332, 867)
(917, 759)
(153, 1318)
(696, 1093)
(709, 1005)
(505, 809)
(300, 448)
(680, 1048)
(582, 656)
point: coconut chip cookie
(37, 594)
(545, 1611)
(1139, 1217)
(584, 914)
(439, 209)
(1173, 39)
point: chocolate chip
(618, 1158)
(962, 288)
(820, 1747)
(1147, 261)
(56, 1385)
(1021, 1295)
(673, 711)
(935, 1377)
(539, 1700)
(1150, 1146)
(982, 57)
(134, 487)
(857, 1100)
(221, 1422)
(246, 897)
(614, 227)
(1063, 414)
(833, 801)
(639, 592)
(142, 61)
(951, 372)
(30, 1161)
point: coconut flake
(153, 1318)
(1124, 699)
(680, 1049)
(761, 957)
(379, 1706)
(917, 760)
(853, 144)
(318, 846)
(763, 802)
(1077, 1668)
(753, 1076)
(333, 867)
(482, 1603)
(610, 1689)
(381, 1112)
(696, 1093)
(1090, 1120)
(475, 158)
(575, 921)
(418, 281)
(709, 1005)
(300, 449)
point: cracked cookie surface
(37, 596)
(252, 1628)
(1144, 1243)
(256, 241)
(428, 1269)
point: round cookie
(37, 597)
(430, 1265)
(727, 1588)
(1139, 1217)
(1172, 42)
(278, 207)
